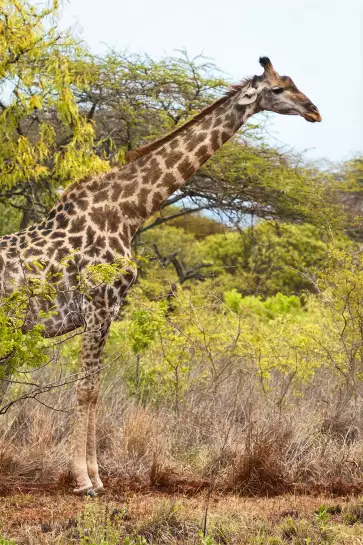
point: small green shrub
(100, 525)
(170, 522)
(263, 539)
(353, 513)
(134, 540)
(4, 541)
(302, 532)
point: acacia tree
(65, 113)
(133, 99)
(45, 142)
(349, 195)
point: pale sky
(316, 42)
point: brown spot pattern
(129, 189)
(156, 201)
(169, 181)
(116, 192)
(129, 210)
(186, 169)
(195, 141)
(173, 158)
(78, 224)
(106, 217)
(115, 244)
(100, 196)
(76, 242)
(215, 139)
(201, 151)
(155, 175)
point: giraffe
(97, 218)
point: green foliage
(170, 239)
(45, 142)
(264, 260)
(94, 276)
(272, 185)
(353, 513)
(65, 113)
(38, 63)
(301, 532)
(198, 225)
(9, 219)
(322, 516)
(101, 525)
(281, 305)
(280, 340)
(270, 308)
(135, 540)
(267, 259)
(205, 540)
(353, 174)
(340, 285)
(201, 329)
(142, 331)
(20, 346)
(140, 98)
(164, 373)
(4, 541)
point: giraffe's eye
(277, 90)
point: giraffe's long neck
(173, 159)
(118, 202)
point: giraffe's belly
(68, 306)
(60, 316)
(73, 309)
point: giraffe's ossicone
(95, 221)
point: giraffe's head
(279, 94)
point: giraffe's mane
(135, 154)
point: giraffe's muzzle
(312, 114)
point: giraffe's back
(33, 259)
(91, 224)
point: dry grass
(222, 441)
(140, 519)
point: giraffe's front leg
(79, 462)
(85, 467)
(92, 465)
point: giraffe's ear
(249, 97)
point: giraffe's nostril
(310, 107)
(311, 112)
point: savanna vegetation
(236, 366)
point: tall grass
(233, 437)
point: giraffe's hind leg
(85, 467)
(92, 465)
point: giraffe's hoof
(99, 490)
(85, 492)
(91, 493)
